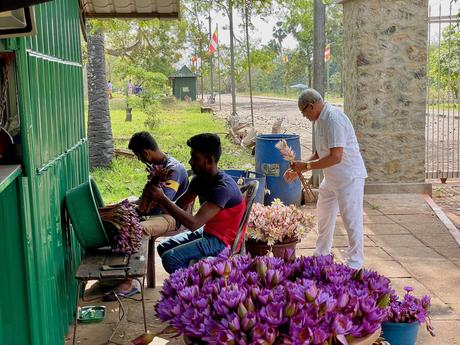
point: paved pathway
(404, 240)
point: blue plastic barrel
(400, 333)
(248, 176)
(270, 163)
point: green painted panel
(14, 303)
(50, 84)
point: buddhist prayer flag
(214, 43)
(327, 53)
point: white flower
(278, 223)
(286, 151)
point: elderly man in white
(337, 153)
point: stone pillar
(385, 44)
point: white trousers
(349, 200)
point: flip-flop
(134, 290)
(110, 296)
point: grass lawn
(127, 176)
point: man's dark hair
(206, 143)
(141, 141)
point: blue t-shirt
(221, 191)
(178, 183)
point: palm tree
(99, 127)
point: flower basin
(368, 340)
(400, 333)
(262, 248)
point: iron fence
(443, 93)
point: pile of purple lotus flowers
(123, 227)
(267, 300)
(410, 309)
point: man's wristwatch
(308, 166)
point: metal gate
(443, 93)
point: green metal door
(13, 290)
(50, 89)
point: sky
(263, 30)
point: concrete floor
(404, 240)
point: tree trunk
(99, 126)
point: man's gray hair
(310, 96)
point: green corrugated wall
(50, 94)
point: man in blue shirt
(157, 222)
(147, 151)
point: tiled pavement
(404, 240)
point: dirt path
(266, 111)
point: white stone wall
(385, 85)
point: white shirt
(334, 129)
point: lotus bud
(289, 255)
(255, 292)
(248, 321)
(383, 301)
(358, 275)
(234, 325)
(275, 279)
(343, 300)
(215, 289)
(227, 269)
(261, 269)
(358, 313)
(290, 309)
(311, 293)
(242, 310)
(250, 305)
(204, 269)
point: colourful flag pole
(213, 46)
(327, 58)
(218, 69)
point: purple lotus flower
(410, 309)
(272, 314)
(307, 300)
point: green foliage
(151, 45)
(443, 68)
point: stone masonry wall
(385, 85)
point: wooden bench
(206, 109)
(133, 267)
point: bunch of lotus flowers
(157, 176)
(124, 228)
(269, 300)
(410, 309)
(278, 223)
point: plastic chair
(250, 191)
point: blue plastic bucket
(248, 176)
(400, 333)
(270, 163)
